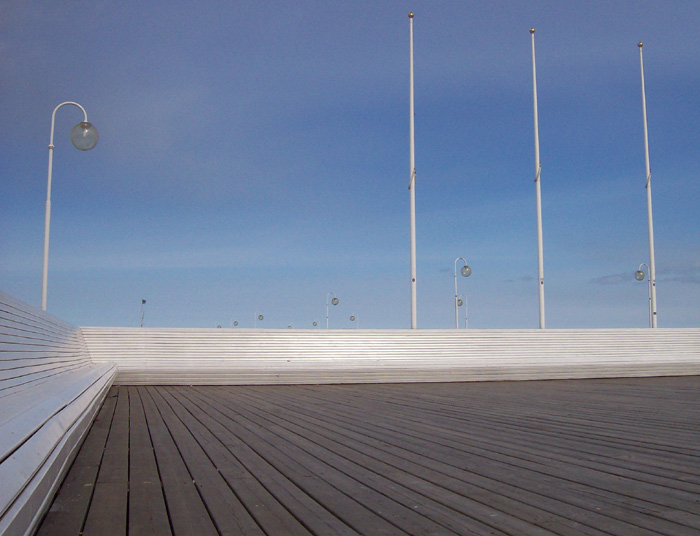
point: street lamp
(143, 310)
(258, 316)
(461, 302)
(639, 275)
(466, 271)
(652, 264)
(84, 137)
(334, 301)
(353, 318)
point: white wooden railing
(228, 356)
(50, 392)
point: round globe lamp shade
(639, 275)
(335, 301)
(84, 136)
(466, 271)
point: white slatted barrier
(50, 392)
(264, 356)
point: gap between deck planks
(585, 457)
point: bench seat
(50, 392)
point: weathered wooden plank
(68, 511)
(543, 486)
(148, 514)
(464, 510)
(227, 512)
(108, 512)
(187, 512)
(568, 458)
(257, 484)
(377, 491)
(569, 466)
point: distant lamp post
(334, 301)
(412, 180)
(314, 323)
(353, 318)
(234, 323)
(143, 310)
(461, 302)
(466, 271)
(258, 316)
(84, 137)
(652, 262)
(640, 275)
(538, 194)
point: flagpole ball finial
(640, 44)
(532, 30)
(410, 15)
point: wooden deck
(587, 457)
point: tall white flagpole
(538, 169)
(412, 184)
(652, 263)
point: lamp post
(412, 181)
(639, 275)
(466, 271)
(334, 301)
(258, 316)
(461, 302)
(84, 137)
(652, 264)
(355, 319)
(538, 194)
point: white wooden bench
(50, 392)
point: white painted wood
(231, 356)
(53, 376)
(50, 392)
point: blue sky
(254, 156)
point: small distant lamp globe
(334, 301)
(460, 302)
(640, 275)
(84, 136)
(260, 317)
(466, 271)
